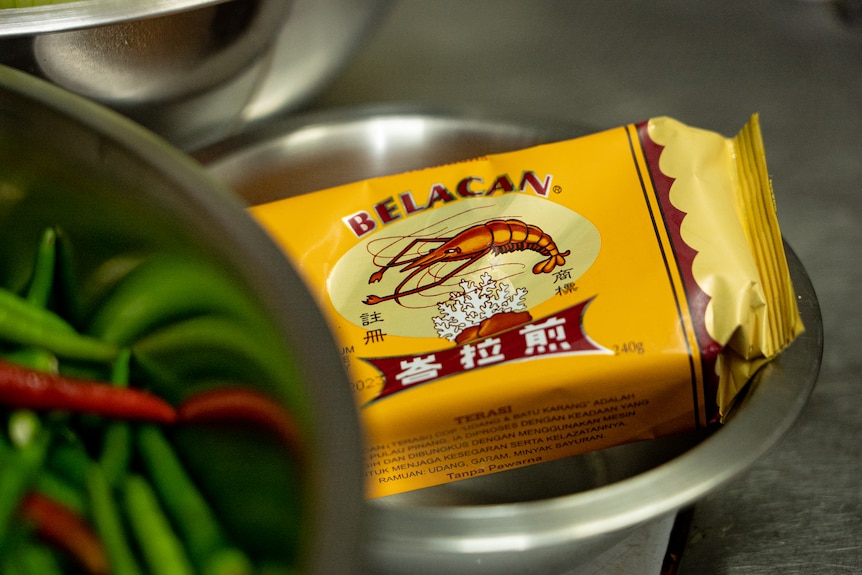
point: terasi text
(405, 203)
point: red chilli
(28, 389)
(61, 527)
(240, 405)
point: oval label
(437, 272)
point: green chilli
(162, 290)
(20, 467)
(30, 3)
(35, 358)
(161, 548)
(70, 462)
(207, 348)
(31, 559)
(50, 485)
(116, 451)
(117, 439)
(195, 521)
(109, 524)
(42, 280)
(25, 324)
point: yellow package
(528, 306)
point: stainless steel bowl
(191, 70)
(68, 162)
(550, 518)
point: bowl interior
(122, 197)
(158, 59)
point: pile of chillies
(90, 481)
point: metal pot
(68, 162)
(552, 518)
(190, 70)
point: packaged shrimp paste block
(528, 306)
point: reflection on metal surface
(318, 40)
(156, 59)
(380, 132)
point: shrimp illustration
(493, 236)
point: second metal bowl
(551, 518)
(190, 70)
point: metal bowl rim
(77, 14)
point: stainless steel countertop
(605, 63)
